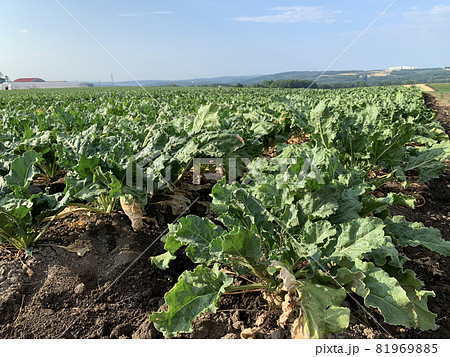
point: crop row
(305, 225)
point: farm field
(334, 207)
(441, 87)
(424, 87)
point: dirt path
(424, 87)
(440, 102)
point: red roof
(25, 80)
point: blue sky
(180, 39)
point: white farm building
(38, 83)
(400, 68)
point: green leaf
(385, 293)
(324, 124)
(256, 213)
(244, 246)
(22, 169)
(378, 206)
(316, 164)
(16, 221)
(84, 190)
(350, 280)
(267, 194)
(416, 234)
(400, 199)
(430, 161)
(320, 204)
(399, 173)
(162, 261)
(207, 118)
(292, 218)
(359, 237)
(17, 207)
(321, 314)
(171, 243)
(425, 319)
(388, 146)
(85, 167)
(387, 254)
(139, 196)
(238, 208)
(217, 144)
(375, 206)
(349, 206)
(200, 235)
(222, 195)
(194, 293)
(299, 251)
(318, 232)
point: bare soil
(424, 87)
(58, 294)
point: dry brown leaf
(206, 204)
(80, 246)
(79, 224)
(27, 270)
(273, 299)
(151, 220)
(217, 175)
(289, 281)
(248, 333)
(134, 212)
(288, 306)
(291, 305)
(297, 330)
(262, 318)
(261, 321)
(65, 212)
(240, 139)
(189, 187)
(178, 202)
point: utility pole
(112, 80)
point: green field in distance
(441, 87)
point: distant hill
(349, 77)
(227, 80)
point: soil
(111, 290)
(424, 87)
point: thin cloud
(429, 24)
(24, 30)
(132, 14)
(437, 15)
(293, 14)
(136, 14)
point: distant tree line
(286, 83)
(338, 81)
(296, 83)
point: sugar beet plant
(22, 212)
(310, 232)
